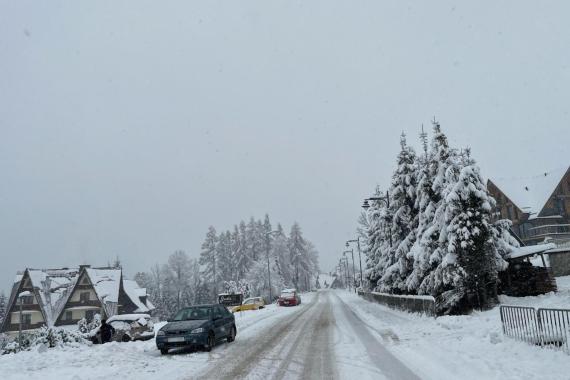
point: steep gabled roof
(135, 293)
(51, 289)
(106, 283)
(531, 193)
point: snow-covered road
(333, 334)
(324, 340)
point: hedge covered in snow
(43, 338)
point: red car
(289, 297)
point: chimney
(81, 267)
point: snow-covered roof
(106, 283)
(135, 292)
(531, 250)
(531, 193)
(53, 286)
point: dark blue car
(198, 327)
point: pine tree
(3, 306)
(225, 257)
(297, 253)
(243, 260)
(404, 221)
(208, 260)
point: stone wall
(413, 304)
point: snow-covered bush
(85, 327)
(48, 337)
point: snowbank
(466, 347)
(140, 360)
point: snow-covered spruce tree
(208, 258)
(404, 221)
(225, 259)
(3, 306)
(243, 259)
(377, 242)
(281, 254)
(469, 266)
(297, 254)
(430, 247)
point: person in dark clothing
(107, 331)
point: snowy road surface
(331, 335)
(324, 340)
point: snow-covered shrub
(49, 337)
(56, 337)
(85, 327)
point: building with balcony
(57, 297)
(538, 205)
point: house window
(27, 300)
(84, 296)
(68, 315)
(89, 314)
(26, 319)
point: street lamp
(21, 302)
(357, 241)
(267, 235)
(353, 270)
(347, 269)
(386, 201)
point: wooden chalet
(65, 296)
(538, 206)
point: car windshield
(193, 313)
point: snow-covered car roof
(289, 290)
(128, 317)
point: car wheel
(164, 351)
(125, 338)
(211, 342)
(232, 335)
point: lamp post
(21, 302)
(353, 270)
(347, 270)
(386, 201)
(267, 235)
(357, 241)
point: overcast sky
(126, 128)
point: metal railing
(542, 327)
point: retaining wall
(413, 304)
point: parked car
(199, 326)
(254, 303)
(128, 327)
(289, 297)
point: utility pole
(353, 269)
(357, 241)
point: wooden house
(65, 296)
(538, 206)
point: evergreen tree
(3, 306)
(208, 260)
(225, 256)
(243, 259)
(404, 221)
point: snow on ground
(140, 360)
(467, 347)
